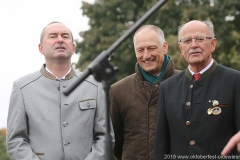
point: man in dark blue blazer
(199, 113)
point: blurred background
(109, 19)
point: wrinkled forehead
(55, 27)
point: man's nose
(59, 39)
(194, 43)
(146, 54)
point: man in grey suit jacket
(43, 123)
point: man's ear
(40, 48)
(213, 44)
(73, 48)
(165, 47)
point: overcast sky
(21, 24)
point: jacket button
(191, 86)
(192, 143)
(156, 85)
(188, 103)
(187, 123)
(58, 88)
(64, 124)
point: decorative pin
(215, 102)
(209, 111)
(216, 110)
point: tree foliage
(109, 19)
(3, 151)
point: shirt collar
(204, 69)
(57, 78)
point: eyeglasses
(198, 39)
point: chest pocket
(87, 104)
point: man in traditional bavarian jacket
(199, 108)
(43, 123)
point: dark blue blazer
(184, 125)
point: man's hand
(234, 141)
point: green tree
(109, 19)
(3, 151)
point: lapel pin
(215, 109)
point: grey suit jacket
(43, 123)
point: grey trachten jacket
(43, 123)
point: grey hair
(208, 23)
(152, 27)
(43, 31)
